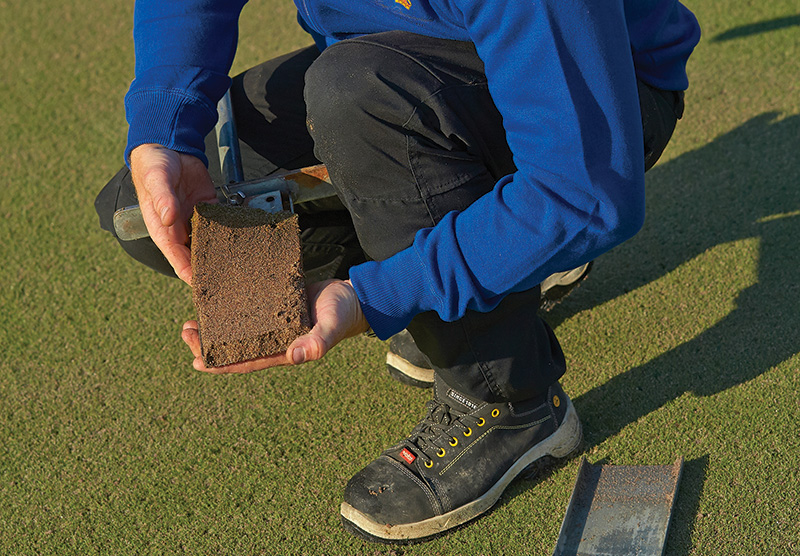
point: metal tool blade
(618, 510)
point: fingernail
(298, 355)
(164, 213)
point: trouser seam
(416, 179)
(485, 369)
(438, 92)
(395, 50)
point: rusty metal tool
(619, 510)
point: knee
(335, 89)
(117, 193)
(354, 86)
(106, 202)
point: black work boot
(456, 463)
(406, 363)
(559, 285)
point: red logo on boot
(406, 454)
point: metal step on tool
(272, 194)
(619, 510)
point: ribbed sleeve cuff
(170, 118)
(392, 292)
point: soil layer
(247, 283)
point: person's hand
(335, 315)
(169, 184)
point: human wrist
(360, 324)
(169, 118)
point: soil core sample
(247, 282)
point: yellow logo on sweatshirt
(405, 3)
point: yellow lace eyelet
(495, 412)
(468, 432)
(454, 441)
(440, 453)
(556, 401)
(481, 422)
(429, 464)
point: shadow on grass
(743, 185)
(687, 504)
(740, 186)
(758, 28)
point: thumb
(336, 315)
(311, 346)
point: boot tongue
(452, 397)
(439, 416)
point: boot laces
(431, 433)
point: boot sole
(561, 444)
(408, 373)
(558, 286)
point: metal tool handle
(302, 185)
(230, 155)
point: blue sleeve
(184, 51)
(562, 76)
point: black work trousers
(408, 131)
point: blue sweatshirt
(561, 72)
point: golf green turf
(684, 341)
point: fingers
(242, 368)
(309, 347)
(159, 189)
(335, 312)
(169, 184)
(180, 257)
(172, 242)
(155, 171)
(191, 336)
